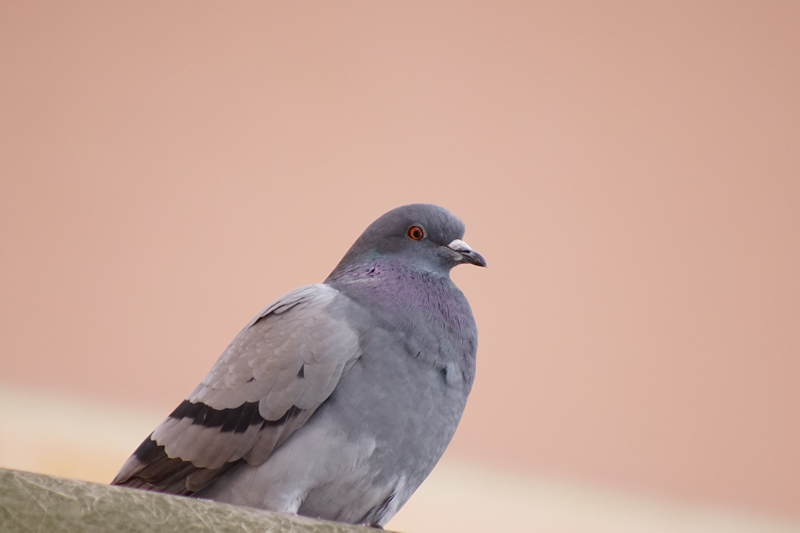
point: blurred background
(630, 170)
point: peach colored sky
(631, 171)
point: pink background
(630, 170)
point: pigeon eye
(416, 233)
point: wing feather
(280, 368)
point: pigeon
(338, 399)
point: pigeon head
(421, 237)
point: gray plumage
(338, 399)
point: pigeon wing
(268, 382)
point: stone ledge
(34, 502)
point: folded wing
(266, 385)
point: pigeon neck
(380, 271)
(397, 288)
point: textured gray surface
(38, 503)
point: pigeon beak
(467, 254)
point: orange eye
(416, 232)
